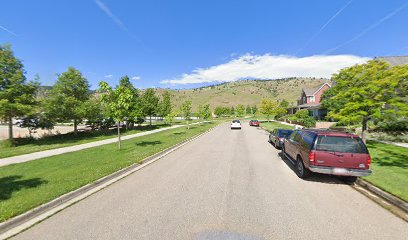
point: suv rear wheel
(301, 170)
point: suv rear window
(340, 144)
(236, 121)
(284, 133)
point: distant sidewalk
(58, 151)
(400, 144)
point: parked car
(277, 136)
(328, 152)
(254, 123)
(236, 124)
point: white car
(236, 124)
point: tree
(120, 102)
(17, 96)
(268, 107)
(204, 111)
(240, 110)
(67, 96)
(254, 109)
(248, 110)
(93, 110)
(232, 111)
(284, 103)
(165, 104)
(185, 111)
(149, 103)
(170, 117)
(366, 92)
(35, 121)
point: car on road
(254, 123)
(328, 152)
(277, 136)
(236, 124)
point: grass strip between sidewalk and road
(27, 185)
(390, 168)
(269, 126)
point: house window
(312, 99)
(304, 99)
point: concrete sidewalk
(58, 151)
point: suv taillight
(312, 156)
(368, 160)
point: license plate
(339, 171)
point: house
(394, 60)
(310, 99)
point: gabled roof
(313, 90)
(395, 60)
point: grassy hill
(248, 92)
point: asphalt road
(225, 185)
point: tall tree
(17, 96)
(240, 110)
(204, 111)
(232, 111)
(165, 104)
(268, 107)
(120, 102)
(248, 109)
(365, 92)
(185, 110)
(150, 103)
(66, 97)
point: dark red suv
(327, 152)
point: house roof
(395, 60)
(312, 91)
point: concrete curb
(24, 221)
(401, 204)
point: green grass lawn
(27, 185)
(27, 145)
(390, 168)
(272, 125)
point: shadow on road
(11, 184)
(314, 177)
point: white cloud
(108, 76)
(269, 67)
(135, 78)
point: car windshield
(236, 121)
(340, 144)
(284, 133)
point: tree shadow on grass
(148, 143)
(388, 156)
(11, 184)
(179, 133)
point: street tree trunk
(188, 125)
(10, 130)
(150, 120)
(364, 129)
(75, 127)
(119, 140)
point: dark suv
(327, 152)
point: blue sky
(182, 44)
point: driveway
(225, 185)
